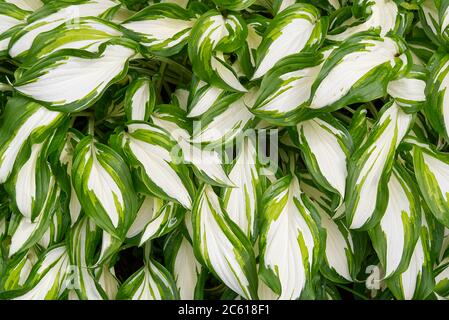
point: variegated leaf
(370, 168)
(108, 281)
(383, 16)
(289, 240)
(104, 187)
(287, 88)
(359, 71)
(242, 202)
(51, 16)
(47, 81)
(86, 34)
(339, 263)
(29, 183)
(409, 91)
(297, 28)
(211, 36)
(326, 146)
(221, 246)
(185, 268)
(148, 208)
(417, 281)
(25, 233)
(432, 174)
(151, 282)
(81, 248)
(163, 28)
(202, 98)
(48, 277)
(140, 99)
(226, 120)
(394, 238)
(164, 221)
(150, 150)
(23, 121)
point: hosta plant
(224, 149)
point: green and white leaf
(182, 263)
(203, 98)
(370, 168)
(242, 202)
(48, 277)
(52, 16)
(211, 36)
(326, 147)
(148, 208)
(150, 150)
(288, 87)
(47, 81)
(164, 221)
(417, 281)
(104, 187)
(86, 34)
(25, 233)
(163, 28)
(358, 71)
(140, 99)
(384, 17)
(226, 120)
(409, 91)
(81, 248)
(221, 246)
(151, 282)
(282, 39)
(289, 240)
(23, 121)
(432, 173)
(394, 238)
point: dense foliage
(224, 149)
